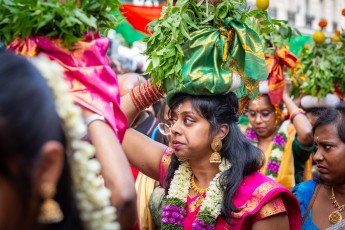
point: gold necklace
(336, 216)
(199, 191)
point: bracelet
(94, 117)
(146, 94)
(297, 113)
(298, 110)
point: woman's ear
(223, 131)
(50, 165)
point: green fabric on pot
(205, 73)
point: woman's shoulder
(304, 192)
(304, 188)
(257, 190)
(258, 186)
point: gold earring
(50, 210)
(216, 145)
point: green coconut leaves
(70, 20)
(172, 29)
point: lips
(321, 169)
(176, 144)
(259, 129)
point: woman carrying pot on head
(210, 173)
(287, 145)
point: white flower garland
(180, 185)
(92, 197)
(214, 196)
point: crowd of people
(212, 137)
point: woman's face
(261, 116)
(189, 133)
(330, 154)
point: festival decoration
(262, 4)
(70, 20)
(321, 76)
(174, 204)
(220, 30)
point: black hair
(317, 111)
(244, 157)
(333, 115)
(28, 119)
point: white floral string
(175, 202)
(92, 197)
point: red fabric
(135, 172)
(140, 16)
(276, 64)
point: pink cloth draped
(255, 191)
(92, 81)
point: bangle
(146, 94)
(294, 113)
(297, 113)
(94, 117)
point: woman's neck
(204, 173)
(267, 138)
(264, 142)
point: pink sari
(93, 83)
(258, 197)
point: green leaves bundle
(323, 68)
(70, 20)
(172, 29)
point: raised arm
(298, 118)
(115, 171)
(278, 221)
(142, 152)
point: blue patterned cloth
(304, 192)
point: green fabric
(243, 120)
(301, 154)
(204, 72)
(129, 33)
(297, 44)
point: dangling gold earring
(216, 145)
(50, 210)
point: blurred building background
(305, 14)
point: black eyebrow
(184, 112)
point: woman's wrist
(94, 117)
(296, 112)
(144, 95)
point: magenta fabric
(255, 191)
(92, 81)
